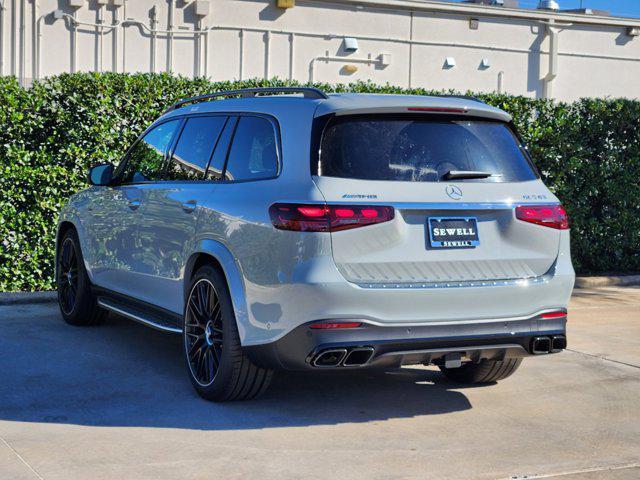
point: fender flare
(73, 218)
(232, 273)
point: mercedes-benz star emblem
(454, 192)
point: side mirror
(101, 175)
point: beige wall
(255, 39)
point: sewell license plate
(453, 232)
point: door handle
(134, 203)
(189, 206)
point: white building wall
(242, 39)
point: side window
(214, 172)
(253, 154)
(195, 146)
(146, 160)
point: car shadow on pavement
(123, 374)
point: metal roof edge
(490, 11)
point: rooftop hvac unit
(548, 5)
(589, 11)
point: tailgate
(402, 251)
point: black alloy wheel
(203, 334)
(68, 276)
(219, 369)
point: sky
(623, 8)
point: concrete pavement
(114, 402)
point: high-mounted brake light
(552, 216)
(437, 109)
(334, 325)
(550, 315)
(327, 218)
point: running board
(141, 317)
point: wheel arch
(63, 227)
(217, 255)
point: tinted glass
(253, 154)
(417, 150)
(195, 146)
(146, 161)
(214, 172)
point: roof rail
(307, 92)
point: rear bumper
(317, 291)
(393, 346)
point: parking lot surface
(114, 402)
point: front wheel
(486, 371)
(218, 368)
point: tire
(218, 368)
(487, 371)
(77, 303)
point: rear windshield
(411, 149)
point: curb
(23, 298)
(609, 281)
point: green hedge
(587, 151)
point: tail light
(551, 315)
(326, 218)
(552, 216)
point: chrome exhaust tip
(558, 343)
(540, 345)
(358, 356)
(330, 358)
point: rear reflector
(330, 326)
(326, 218)
(550, 315)
(552, 216)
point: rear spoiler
(469, 109)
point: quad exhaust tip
(558, 343)
(340, 357)
(358, 356)
(553, 344)
(540, 345)
(330, 358)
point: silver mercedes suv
(284, 228)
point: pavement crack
(603, 358)
(577, 471)
(21, 458)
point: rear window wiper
(460, 174)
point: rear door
(449, 226)
(168, 216)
